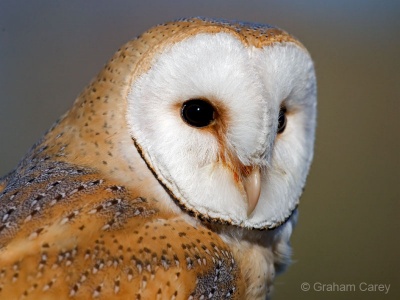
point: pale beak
(252, 186)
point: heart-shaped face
(226, 121)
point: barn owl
(176, 174)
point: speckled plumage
(69, 232)
(83, 217)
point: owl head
(223, 113)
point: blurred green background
(349, 225)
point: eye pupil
(197, 112)
(282, 120)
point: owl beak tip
(252, 186)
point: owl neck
(94, 133)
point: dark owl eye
(282, 120)
(198, 113)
